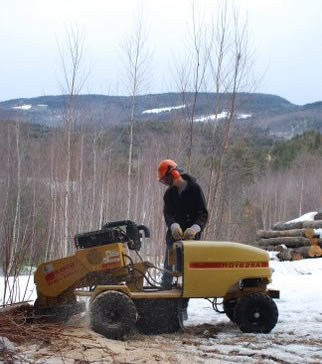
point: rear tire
(57, 313)
(159, 316)
(229, 308)
(256, 313)
(113, 314)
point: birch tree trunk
(80, 185)
(137, 67)
(16, 223)
(71, 58)
(94, 182)
(238, 49)
(216, 66)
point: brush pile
(18, 325)
(296, 239)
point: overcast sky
(285, 34)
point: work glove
(191, 232)
(176, 231)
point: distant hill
(272, 113)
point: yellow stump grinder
(123, 295)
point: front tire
(256, 313)
(113, 314)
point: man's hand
(176, 231)
(191, 232)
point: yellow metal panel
(54, 277)
(212, 268)
(102, 257)
(173, 293)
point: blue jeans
(166, 280)
(167, 277)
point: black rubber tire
(256, 313)
(113, 314)
(58, 313)
(229, 308)
(159, 316)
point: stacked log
(293, 240)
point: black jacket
(186, 209)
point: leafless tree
(192, 71)
(201, 51)
(138, 60)
(73, 80)
(232, 51)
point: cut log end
(315, 251)
(309, 232)
(312, 251)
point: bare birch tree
(232, 52)
(73, 79)
(216, 64)
(191, 76)
(137, 67)
(201, 50)
(17, 217)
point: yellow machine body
(213, 268)
(207, 269)
(202, 269)
(102, 270)
(54, 277)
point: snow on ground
(244, 116)
(210, 337)
(296, 338)
(18, 289)
(163, 109)
(222, 115)
(204, 118)
(22, 107)
(306, 217)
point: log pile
(293, 240)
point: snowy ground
(297, 337)
(210, 337)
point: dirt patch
(221, 342)
(77, 344)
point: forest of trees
(56, 182)
(262, 183)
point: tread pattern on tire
(158, 316)
(113, 314)
(58, 313)
(229, 308)
(256, 313)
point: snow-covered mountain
(266, 112)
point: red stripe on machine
(225, 265)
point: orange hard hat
(167, 168)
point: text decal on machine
(112, 258)
(53, 276)
(224, 265)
